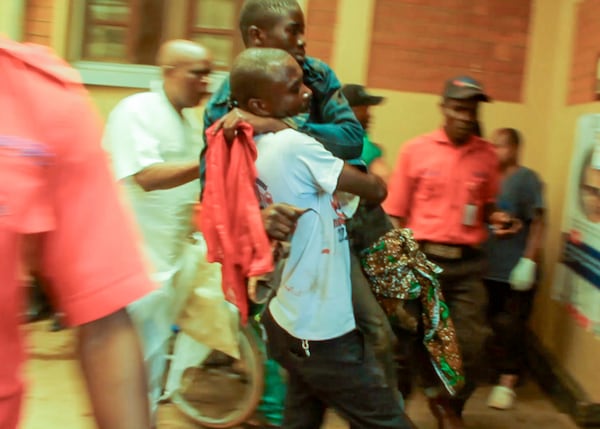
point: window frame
(127, 75)
(192, 29)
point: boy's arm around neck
(367, 186)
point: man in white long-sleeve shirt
(154, 153)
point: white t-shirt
(142, 130)
(314, 301)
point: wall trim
(130, 75)
(564, 391)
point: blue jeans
(341, 373)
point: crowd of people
(105, 215)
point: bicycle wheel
(222, 392)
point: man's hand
(280, 220)
(504, 225)
(522, 275)
(230, 122)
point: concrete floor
(56, 399)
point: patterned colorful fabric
(398, 270)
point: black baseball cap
(357, 95)
(464, 87)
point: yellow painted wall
(107, 97)
(575, 349)
(11, 18)
(547, 124)
(546, 121)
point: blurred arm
(536, 236)
(167, 175)
(367, 186)
(113, 368)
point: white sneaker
(501, 398)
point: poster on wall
(577, 276)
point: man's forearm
(367, 186)
(535, 237)
(167, 175)
(268, 125)
(113, 368)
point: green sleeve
(370, 151)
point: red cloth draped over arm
(230, 218)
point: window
(130, 31)
(119, 37)
(118, 30)
(215, 25)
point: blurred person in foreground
(60, 211)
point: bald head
(186, 67)
(177, 52)
(268, 82)
(254, 70)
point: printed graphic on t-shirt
(339, 223)
(265, 198)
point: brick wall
(320, 27)
(418, 44)
(38, 21)
(586, 51)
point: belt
(450, 252)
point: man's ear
(258, 107)
(256, 36)
(167, 70)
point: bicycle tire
(252, 358)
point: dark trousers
(341, 373)
(466, 298)
(374, 324)
(367, 225)
(508, 312)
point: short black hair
(263, 13)
(514, 135)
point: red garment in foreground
(231, 221)
(55, 181)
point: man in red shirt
(443, 188)
(59, 205)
